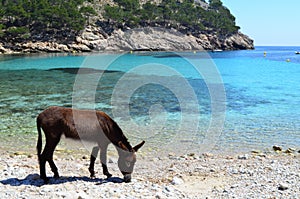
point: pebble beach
(272, 174)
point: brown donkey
(88, 125)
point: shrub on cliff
(42, 17)
(186, 15)
(60, 20)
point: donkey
(88, 125)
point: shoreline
(26, 144)
(134, 51)
(15, 144)
(254, 175)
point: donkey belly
(86, 133)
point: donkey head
(127, 159)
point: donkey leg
(49, 156)
(43, 159)
(53, 168)
(92, 161)
(103, 161)
(42, 163)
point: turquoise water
(168, 99)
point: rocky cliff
(93, 38)
(159, 39)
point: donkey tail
(39, 141)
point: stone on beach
(176, 181)
(283, 186)
(243, 157)
(277, 148)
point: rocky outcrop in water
(94, 38)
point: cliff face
(159, 39)
(142, 39)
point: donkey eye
(127, 163)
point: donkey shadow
(35, 180)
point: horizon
(274, 46)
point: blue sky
(268, 22)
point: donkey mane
(116, 127)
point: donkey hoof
(108, 175)
(56, 176)
(92, 176)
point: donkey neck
(118, 136)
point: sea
(179, 102)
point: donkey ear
(137, 147)
(122, 146)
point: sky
(268, 22)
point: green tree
(113, 13)
(1, 30)
(215, 4)
(40, 16)
(149, 12)
(129, 5)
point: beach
(269, 174)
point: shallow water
(174, 101)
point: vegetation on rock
(187, 16)
(65, 22)
(34, 19)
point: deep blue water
(191, 101)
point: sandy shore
(253, 175)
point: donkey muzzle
(127, 178)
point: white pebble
(177, 181)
